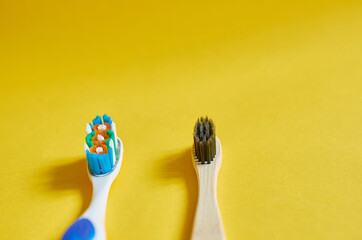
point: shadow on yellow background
(180, 166)
(71, 176)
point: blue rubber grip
(81, 229)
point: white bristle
(114, 151)
(102, 127)
(99, 150)
(88, 129)
(86, 147)
(113, 128)
(100, 138)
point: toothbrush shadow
(180, 166)
(71, 176)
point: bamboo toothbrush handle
(207, 223)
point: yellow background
(282, 80)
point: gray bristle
(204, 140)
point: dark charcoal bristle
(204, 140)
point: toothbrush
(207, 156)
(104, 151)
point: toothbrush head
(204, 140)
(102, 146)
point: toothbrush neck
(207, 183)
(207, 190)
(98, 205)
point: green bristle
(204, 140)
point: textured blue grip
(81, 229)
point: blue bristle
(110, 153)
(95, 163)
(106, 160)
(91, 126)
(102, 161)
(107, 119)
(97, 120)
(80, 229)
(90, 163)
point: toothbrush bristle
(102, 127)
(100, 154)
(100, 138)
(99, 150)
(204, 140)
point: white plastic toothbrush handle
(91, 225)
(96, 211)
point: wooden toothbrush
(207, 157)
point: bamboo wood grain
(207, 222)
